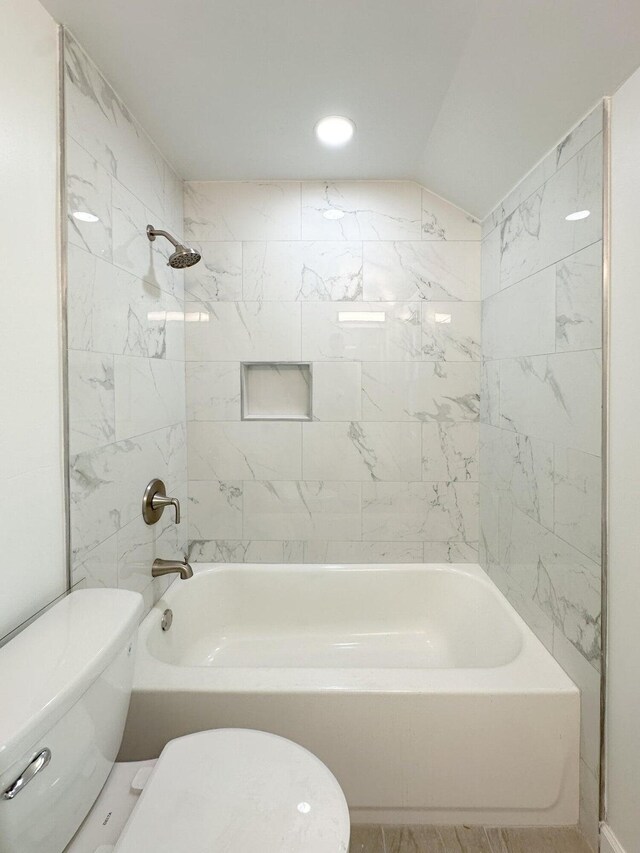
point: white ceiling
(461, 95)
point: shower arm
(152, 233)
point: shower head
(183, 256)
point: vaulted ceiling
(462, 95)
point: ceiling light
(83, 216)
(333, 213)
(335, 130)
(579, 214)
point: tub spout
(168, 567)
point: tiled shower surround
(384, 304)
(541, 415)
(126, 338)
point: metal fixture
(184, 256)
(169, 567)
(155, 500)
(167, 619)
(37, 764)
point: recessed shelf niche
(276, 391)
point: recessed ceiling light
(333, 213)
(579, 214)
(83, 216)
(335, 130)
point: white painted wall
(32, 562)
(623, 693)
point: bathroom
(318, 426)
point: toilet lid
(238, 791)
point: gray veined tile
(420, 511)
(91, 401)
(360, 451)
(334, 551)
(150, 394)
(441, 392)
(584, 132)
(579, 300)
(213, 390)
(441, 220)
(337, 391)
(450, 451)
(361, 331)
(433, 271)
(88, 192)
(578, 500)
(218, 276)
(301, 509)
(373, 210)
(451, 331)
(450, 552)
(236, 210)
(490, 392)
(490, 264)
(242, 331)
(236, 551)
(215, 509)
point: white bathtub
(419, 686)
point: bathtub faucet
(168, 567)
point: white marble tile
(451, 331)
(245, 451)
(213, 391)
(218, 276)
(441, 220)
(537, 234)
(587, 679)
(100, 566)
(88, 191)
(582, 133)
(420, 511)
(103, 126)
(589, 816)
(237, 551)
(363, 331)
(91, 401)
(521, 320)
(490, 392)
(235, 210)
(579, 300)
(558, 578)
(450, 552)
(361, 451)
(215, 509)
(242, 331)
(337, 391)
(490, 264)
(423, 391)
(539, 622)
(112, 311)
(578, 500)
(555, 397)
(301, 510)
(373, 210)
(150, 394)
(337, 552)
(450, 451)
(435, 271)
(522, 468)
(313, 271)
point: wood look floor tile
(412, 839)
(537, 840)
(465, 839)
(366, 839)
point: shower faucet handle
(155, 501)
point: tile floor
(464, 839)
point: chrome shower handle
(155, 500)
(37, 764)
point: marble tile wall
(541, 411)
(126, 338)
(384, 303)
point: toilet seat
(238, 791)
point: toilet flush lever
(155, 500)
(39, 763)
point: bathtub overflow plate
(167, 619)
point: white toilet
(65, 684)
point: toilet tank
(65, 685)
